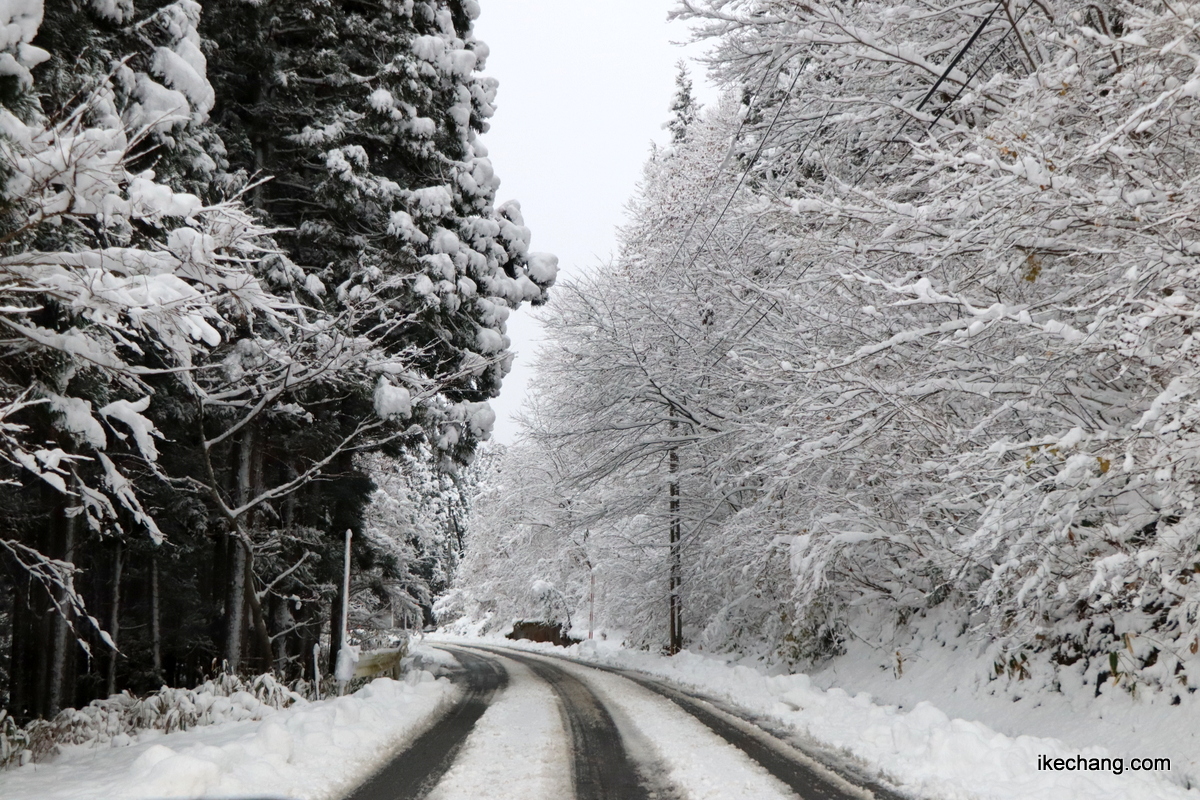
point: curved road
(417, 769)
(604, 765)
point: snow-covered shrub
(14, 742)
(113, 720)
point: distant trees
(238, 257)
(918, 332)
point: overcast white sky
(585, 86)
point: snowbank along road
(531, 727)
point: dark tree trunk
(261, 633)
(155, 630)
(114, 621)
(18, 697)
(63, 640)
(235, 604)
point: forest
(254, 289)
(901, 332)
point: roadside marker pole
(345, 605)
(317, 669)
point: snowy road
(540, 728)
(425, 761)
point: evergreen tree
(367, 116)
(117, 285)
(683, 107)
(172, 369)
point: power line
(941, 78)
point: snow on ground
(932, 662)
(919, 748)
(517, 749)
(433, 658)
(309, 751)
(697, 761)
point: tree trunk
(674, 556)
(155, 630)
(289, 473)
(19, 656)
(257, 617)
(335, 630)
(235, 605)
(114, 621)
(62, 630)
(341, 612)
(262, 634)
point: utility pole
(674, 557)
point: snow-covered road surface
(423, 763)
(560, 729)
(531, 765)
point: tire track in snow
(717, 768)
(518, 748)
(601, 768)
(412, 773)
(808, 777)
(687, 756)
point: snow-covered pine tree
(683, 105)
(367, 118)
(115, 282)
(170, 368)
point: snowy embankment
(918, 747)
(308, 751)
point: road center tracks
(413, 773)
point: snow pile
(308, 751)
(922, 750)
(392, 400)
